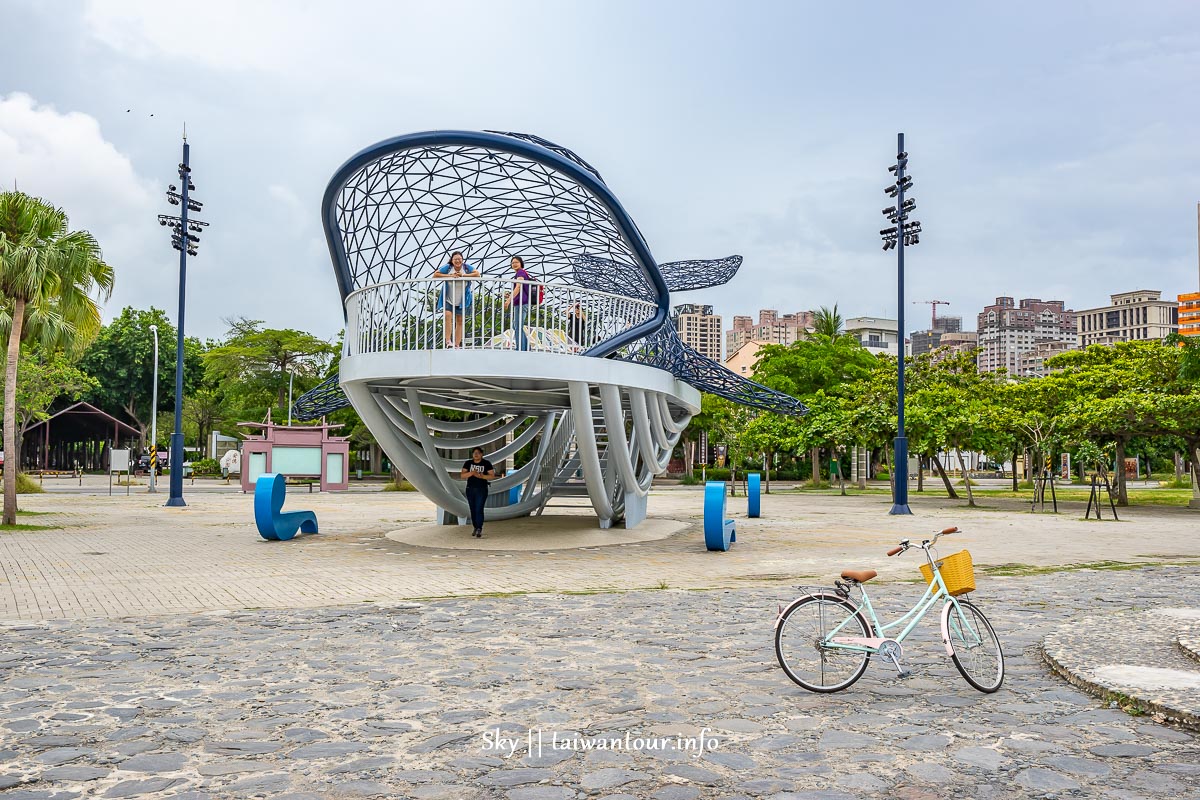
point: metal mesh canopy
(395, 211)
(665, 350)
(399, 215)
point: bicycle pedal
(904, 674)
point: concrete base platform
(535, 533)
(1137, 659)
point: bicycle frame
(936, 591)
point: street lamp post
(184, 238)
(154, 418)
(901, 233)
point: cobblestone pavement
(403, 700)
(130, 556)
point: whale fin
(684, 276)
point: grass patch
(402, 486)
(27, 485)
(1009, 570)
(1124, 702)
(1137, 497)
(35, 513)
(851, 490)
(24, 527)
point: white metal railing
(405, 315)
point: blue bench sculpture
(273, 523)
(753, 492)
(719, 532)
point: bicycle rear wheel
(800, 640)
(973, 646)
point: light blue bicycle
(825, 639)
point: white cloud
(65, 159)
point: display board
(296, 460)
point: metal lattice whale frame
(600, 410)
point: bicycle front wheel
(801, 639)
(973, 645)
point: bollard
(719, 532)
(753, 493)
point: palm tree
(47, 277)
(828, 322)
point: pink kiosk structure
(296, 451)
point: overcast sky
(1055, 146)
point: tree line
(52, 283)
(1099, 404)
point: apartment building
(699, 328)
(875, 334)
(1141, 314)
(772, 328)
(1007, 330)
(1033, 362)
(924, 341)
(742, 362)
(1189, 302)
(1189, 314)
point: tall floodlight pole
(185, 240)
(901, 233)
(154, 418)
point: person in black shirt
(477, 472)
(577, 325)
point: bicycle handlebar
(904, 545)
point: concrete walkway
(122, 556)
(304, 669)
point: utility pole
(896, 237)
(154, 419)
(184, 238)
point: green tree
(258, 362)
(818, 363)
(121, 359)
(48, 274)
(826, 426)
(828, 322)
(769, 433)
(46, 375)
(1116, 392)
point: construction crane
(933, 304)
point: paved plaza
(172, 652)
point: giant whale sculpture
(597, 402)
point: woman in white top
(455, 298)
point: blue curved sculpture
(753, 494)
(719, 532)
(269, 492)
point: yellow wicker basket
(957, 571)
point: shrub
(402, 486)
(688, 480)
(716, 474)
(206, 466)
(27, 485)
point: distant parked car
(144, 462)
